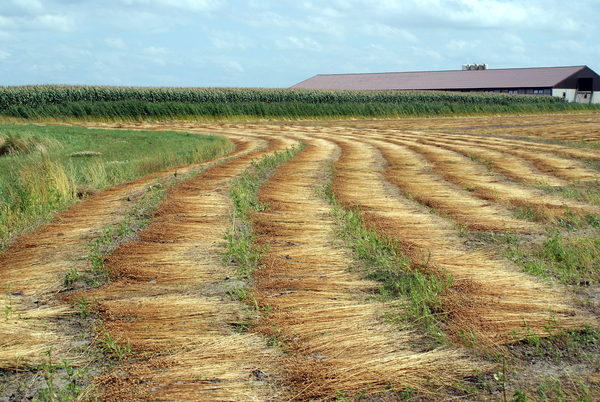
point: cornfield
(104, 101)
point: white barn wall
(572, 94)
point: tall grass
(102, 102)
(59, 165)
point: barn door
(585, 86)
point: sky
(278, 43)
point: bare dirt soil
(313, 330)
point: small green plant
(111, 346)
(69, 386)
(112, 236)
(520, 396)
(8, 308)
(526, 335)
(525, 212)
(83, 305)
(71, 277)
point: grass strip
(420, 283)
(565, 258)
(125, 231)
(111, 349)
(46, 169)
(241, 248)
(112, 236)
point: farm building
(576, 84)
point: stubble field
(500, 210)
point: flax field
(414, 259)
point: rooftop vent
(474, 66)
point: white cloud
(139, 21)
(227, 40)
(233, 66)
(324, 26)
(28, 6)
(49, 22)
(512, 38)
(4, 55)
(116, 43)
(156, 51)
(160, 56)
(457, 14)
(427, 53)
(265, 20)
(6, 37)
(461, 46)
(43, 22)
(390, 33)
(200, 6)
(566, 46)
(294, 43)
(5, 22)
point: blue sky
(278, 43)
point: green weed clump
(241, 248)
(46, 169)
(571, 260)
(111, 237)
(418, 282)
(103, 102)
(63, 382)
(588, 192)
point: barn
(576, 84)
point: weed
(519, 396)
(524, 212)
(418, 281)
(111, 346)
(241, 248)
(8, 308)
(569, 259)
(111, 237)
(573, 261)
(501, 378)
(83, 305)
(71, 277)
(588, 192)
(69, 386)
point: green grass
(241, 248)
(115, 103)
(572, 260)
(569, 251)
(46, 169)
(588, 192)
(419, 283)
(111, 237)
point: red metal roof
(545, 77)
